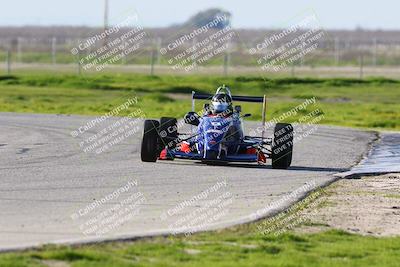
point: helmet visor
(220, 106)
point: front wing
(228, 158)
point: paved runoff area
(80, 179)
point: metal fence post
(153, 57)
(374, 59)
(124, 60)
(337, 53)
(227, 59)
(361, 66)
(19, 50)
(8, 63)
(79, 63)
(159, 45)
(54, 50)
(226, 63)
(292, 70)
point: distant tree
(202, 18)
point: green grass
(392, 195)
(331, 248)
(369, 103)
(243, 245)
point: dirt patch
(179, 96)
(367, 206)
(192, 251)
(55, 263)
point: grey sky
(338, 14)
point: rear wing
(251, 99)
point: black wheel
(282, 146)
(150, 141)
(168, 132)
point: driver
(221, 104)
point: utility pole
(105, 21)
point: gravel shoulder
(366, 206)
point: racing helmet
(221, 101)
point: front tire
(168, 132)
(282, 146)
(150, 142)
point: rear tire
(282, 146)
(168, 132)
(150, 141)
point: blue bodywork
(219, 138)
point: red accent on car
(218, 115)
(261, 157)
(163, 154)
(185, 147)
(251, 150)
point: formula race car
(217, 135)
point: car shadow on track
(254, 166)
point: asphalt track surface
(48, 184)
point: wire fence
(335, 52)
